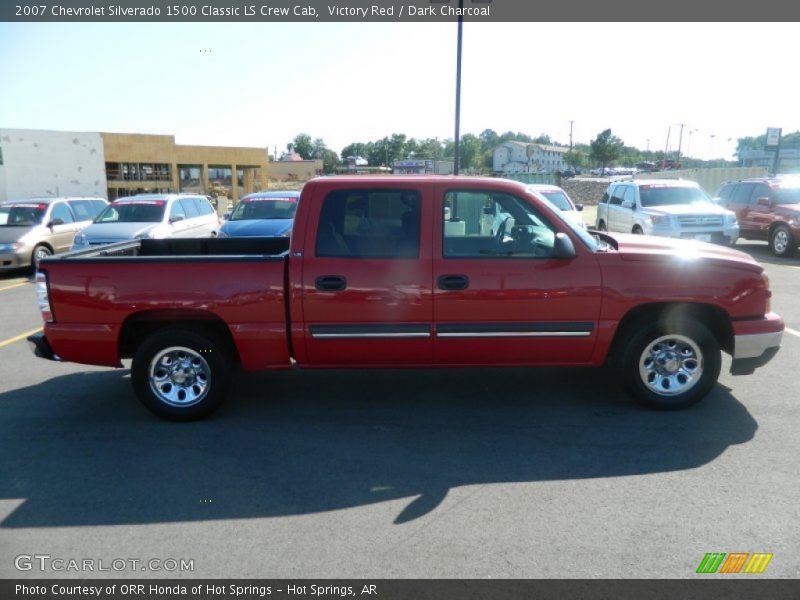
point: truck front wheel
(670, 366)
(181, 375)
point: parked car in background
(767, 209)
(494, 217)
(153, 216)
(262, 214)
(561, 200)
(31, 230)
(667, 207)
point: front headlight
(80, 240)
(222, 234)
(10, 247)
(145, 236)
(659, 220)
(731, 220)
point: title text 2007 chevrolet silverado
(408, 271)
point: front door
(366, 281)
(505, 299)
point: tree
(576, 158)
(303, 145)
(330, 161)
(605, 148)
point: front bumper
(756, 342)
(15, 260)
(41, 347)
(727, 235)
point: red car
(767, 209)
(398, 272)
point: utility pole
(570, 136)
(680, 138)
(456, 158)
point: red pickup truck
(409, 272)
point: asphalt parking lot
(462, 473)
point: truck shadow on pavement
(80, 450)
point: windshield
(21, 215)
(264, 208)
(559, 199)
(663, 195)
(140, 211)
(787, 195)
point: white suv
(666, 207)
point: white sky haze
(261, 84)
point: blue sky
(260, 84)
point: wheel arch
(139, 326)
(715, 318)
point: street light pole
(457, 158)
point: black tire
(782, 242)
(39, 253)
(655, 384)
(601, 226)
(637, 230)
(193, 363)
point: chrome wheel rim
(179, 376)
(671, 365)
(780, 241)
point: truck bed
(235, 285)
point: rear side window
(370, 224)
(190, 208)
(203, 206)
(742, 193)
(726, 191)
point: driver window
(60, 211)
(493, 225)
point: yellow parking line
(16, 285)
(19, 337)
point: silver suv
(667, 207)
(31, 230)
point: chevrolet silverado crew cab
(399, 272)
(666, 207)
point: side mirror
(579, 207)
(226, 216)
(55, 222)
(627, 204)
(176, 218)
(764, 201)
(563, 247)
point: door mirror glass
(176, 218)
(764, 201)
(579, 207)
(55, 222)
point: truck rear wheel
(782, 242)
(669, 366)
(181, 375)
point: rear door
(178, 220)
(366, 277)
(616, 214)
(740, 204)
(504, 299)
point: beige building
(138, 163)
(295, 170)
